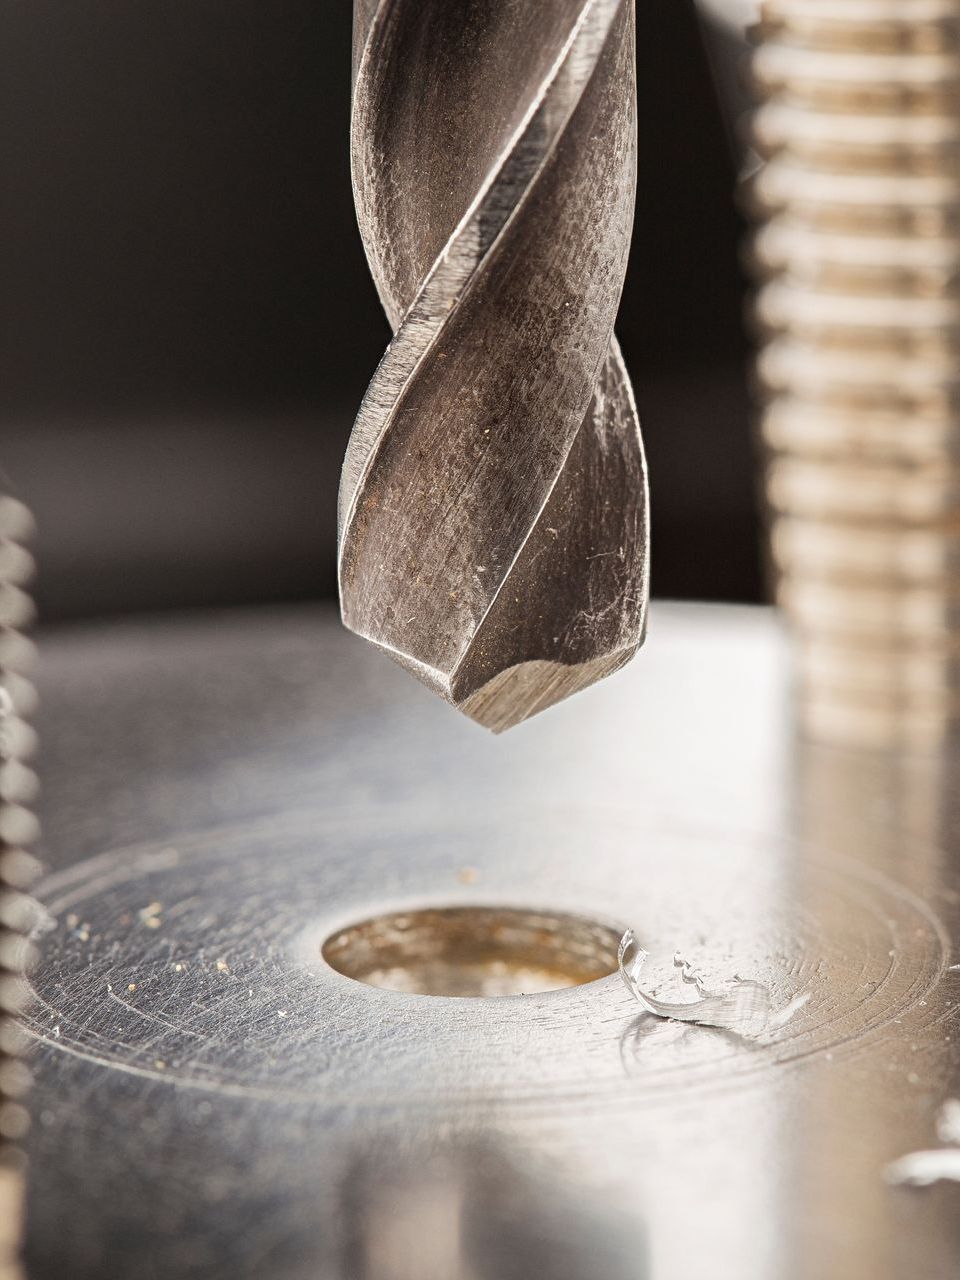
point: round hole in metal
(474, 951)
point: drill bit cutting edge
(493, 526)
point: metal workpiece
(858, 312)
(327, 1004)
(493, 533)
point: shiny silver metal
(493, 506)
(213, 1099)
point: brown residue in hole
(474, 951)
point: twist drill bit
(493, 509)
(18, 830)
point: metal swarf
(740, 1005)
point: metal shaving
(740, 1005)
(940, 1164)
(924, 1168)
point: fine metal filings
(859, 307)
(493, 514)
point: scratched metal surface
(231, 788)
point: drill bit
(493, 532)
(18, 830)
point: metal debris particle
(741, 1005)
(939, 1164)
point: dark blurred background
(188, 324)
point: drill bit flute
(493, 532)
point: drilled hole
(474, 951)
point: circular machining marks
(199, 962)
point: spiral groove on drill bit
(493, 510)
(18, 831)
(860, 130)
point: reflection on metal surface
(782, 1016)
(212, 1098)
(461, 1207)
(493, 521)
(740, 1005)
(473, 951)
(899, 810)
(859, 310)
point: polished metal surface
(493, 507)
(213, 1099)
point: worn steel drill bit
(493, 509)
(18, 830)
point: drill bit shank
(493, 511)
